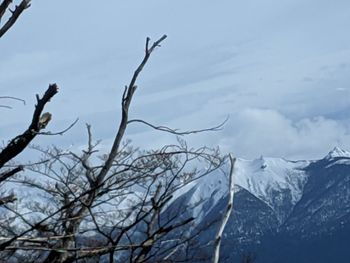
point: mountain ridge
(301, 204)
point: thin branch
(176, 131)
(35, 239)
(60, 132)
(13, 98)
(5, 106)
(91, 251)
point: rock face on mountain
(284, 211)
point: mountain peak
(337, 152)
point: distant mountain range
(284, 211)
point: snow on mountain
(300, 207)
(336, 153)
(264, 176)
(268, 179)
(197, 193)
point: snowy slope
(337, 153)
(277, 182)
(263, 176)
(301, 207)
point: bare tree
(105, 206)
(92, 206)
(20, 142)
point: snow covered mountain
(284, 211)
(337, 153)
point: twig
(5, 106)
(13, 98)
(175, 131)
(60, 132)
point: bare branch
(227, 213)
(128, 94)
(19, 143)
(5, 106)
(3, 7)
(176, 131)
(13, 98)
(60, 132)
(15, 14)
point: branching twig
(126, 100)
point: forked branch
(14, 16)
(126, 100)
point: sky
(279, 70)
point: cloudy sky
(279, 69)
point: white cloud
(268, 132)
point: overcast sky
(279, 69)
